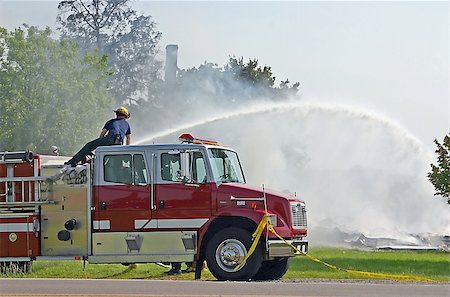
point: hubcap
(229, 254)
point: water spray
(357, 170)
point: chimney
(171, 64)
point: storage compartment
(19, 236)
(65, 221)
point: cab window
(186, 167)
(198, 168)
(140, 170)
(170, 167)
(117, 169)
(125, 169)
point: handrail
(27, 203)
(25, 178)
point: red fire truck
(185, 202)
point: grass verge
(424, 264)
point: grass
(74, 269)
(424, 264)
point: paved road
(153, 288)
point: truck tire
(273, 269)
(226, 250)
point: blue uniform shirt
(117, 126)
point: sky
(390, 58)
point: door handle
(162, 203)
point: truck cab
(186, 202)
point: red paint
(180, 201)
(27, 243)
(126, 203)
(122, 205)
(123, 197)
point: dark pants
(89, 147)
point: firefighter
(55, 150)
(176, 268)
(113, 133)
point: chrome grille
(298, 210)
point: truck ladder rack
(23, 191)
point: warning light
(188, 138)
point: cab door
(122, 192)
(183, 194)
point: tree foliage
(210, 89)
(49, 93)
(260, 78)
(439, 175)
(128, 38)
(250, 73)
(236, 81)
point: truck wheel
(273, 269)
(227, 249)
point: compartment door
(122, 193)
(183, 195)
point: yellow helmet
(122, 111)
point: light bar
(186, 137)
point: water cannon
(188, 138)
(16, 157)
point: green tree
(237, 81)
(128, 38)
(210, 89)
(439, 175)
(49, 93)
(250, 73)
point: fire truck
(159, 203)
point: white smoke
(356, 170)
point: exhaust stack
(171, 64)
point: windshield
(225, 166)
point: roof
(168, 146)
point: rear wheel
(273, 269)
(227, 249)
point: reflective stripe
(181, 223)
(138, 224)
(170, 223)
(16, 227)
(101, 224)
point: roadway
(165, 288)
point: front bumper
(279, 248)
